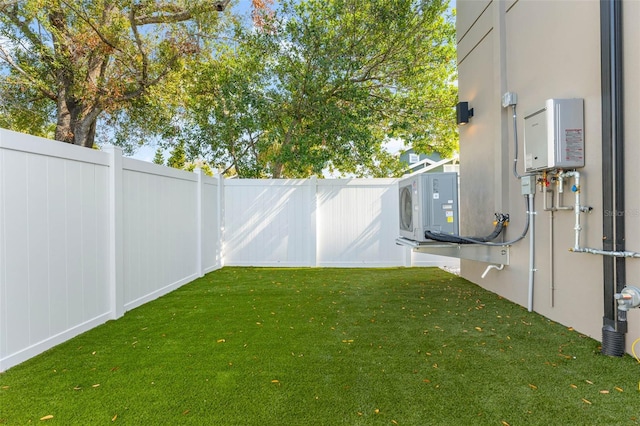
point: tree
(323, 83)
(178, 157)
(75, 61)
(158, 158)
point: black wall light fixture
(463, 113)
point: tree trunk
(276, 170)
(74, 125)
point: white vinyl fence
(87, 235)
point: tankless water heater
(554, 136)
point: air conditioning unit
(428, 202)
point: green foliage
(265, 346)
(178, 157)
(323, 84)
(178, 160)
(117, 63)
(159, 157)
(25, 111)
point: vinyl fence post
(116, 248)
(199, 218)
(220, 224)
(313, 228)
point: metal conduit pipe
(532, 252)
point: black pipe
(613, 237)
(501, 221)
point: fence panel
(160, 230)
(211, 223)
(359, 220)
(332, 222)
(269, 222)
(53, 244)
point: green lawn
(245, 346)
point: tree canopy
(323, 84)
(72, 62)
(304, 87)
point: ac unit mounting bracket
(477, 252)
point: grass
(246, 346)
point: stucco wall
(632, 147)
(541, 50)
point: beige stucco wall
(540, 50)
(632, 148)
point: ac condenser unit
(428, 202)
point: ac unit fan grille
(406, 209)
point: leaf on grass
(348, 341)
(534, 387)
(573, 386)
(586, 401)
(589, 381)
(113, 419)
(47, 417)
(619, 389)
(478, 328)
(426, 381)
(220, 341)
(275, 381)
(377, 411)
(185, 412)
(96, 385)
(394, 422)
(604, 391)
(505, 423)
(5, 387)
(77, 388)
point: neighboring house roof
(421, 163)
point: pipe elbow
(490, 267)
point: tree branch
(167, 18)
(5, 56)
(93, 27)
